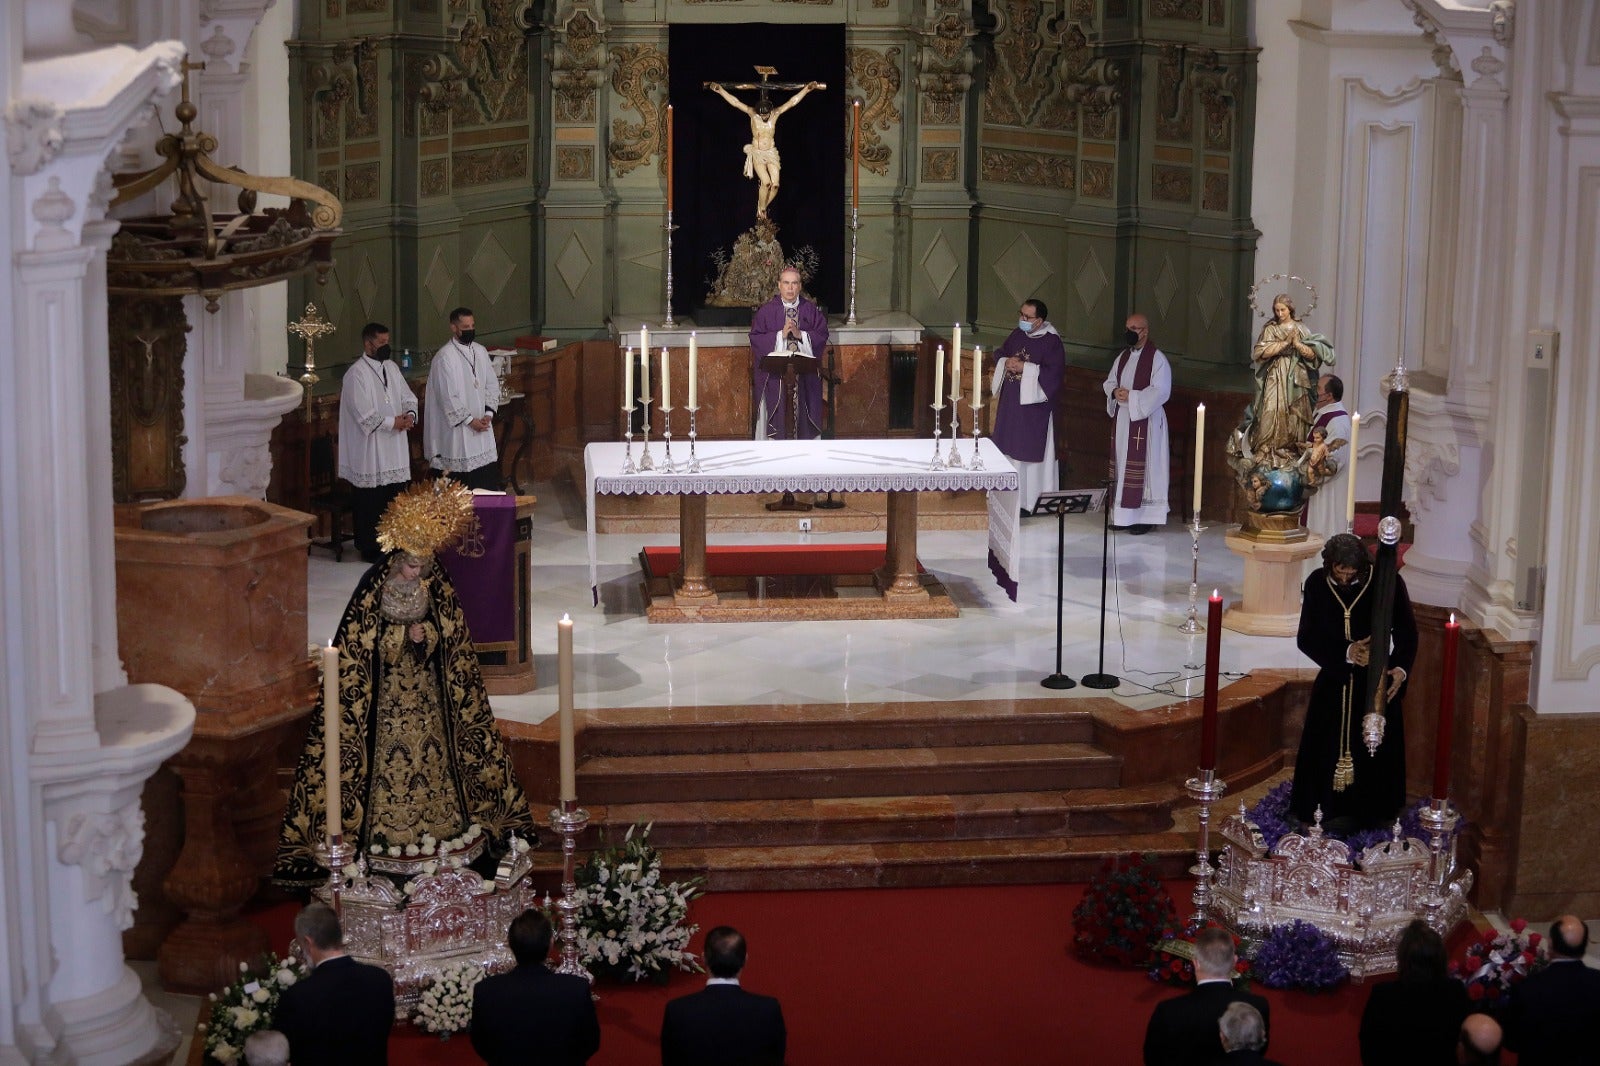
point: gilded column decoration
(489, 166)
(1029, 168)
(1178, 10)
(576, 64)
(361, 117)
(333, 82)
(1171, 183)
(1183, 74)
(481, 79)
(877, 76)
(944, 63)
(361, 181)
(1045, 71)
(1097, 179)
(640, 70)
(1214, 192)
(939, 164)
(435, 177)
(575, 162)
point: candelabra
(855, 237)
(938, 417)
(954, 461)
(666, 318)
(666, 439)
(694, 460)
(569, 820)
(977, 431)
(1191, 624)
(1439, 819)
(627, 433)
(337, 855)
(645, 462)
(1205, 790)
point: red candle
(1208, 714)
(1447, 711)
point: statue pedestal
(1273, 573)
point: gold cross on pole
(310, 326)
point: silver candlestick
(627, 434)
(337, 855)
(977, 461)
(1205, 790)
(694, 460)
(666, 438)
(645, 462)
(1439, 818)
(569, 820)
(666, 318)
(1191, 624)
(855, 237)
(938, 417)
(954, 461)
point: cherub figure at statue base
(747, 276)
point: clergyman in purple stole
(1029, 367)
(1136, 390)
(792, 325)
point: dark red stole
(1133, 464)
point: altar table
(899, 468)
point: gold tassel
(1344, 773)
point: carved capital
(33, 133)
(1045, 70)
(944, 63)
(579, 35)
(1473, 44)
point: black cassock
(1331, 618)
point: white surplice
(1143, 403)
(371, 451)
(461, 386)
(1325, 514)
(1045, 475)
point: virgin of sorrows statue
(761, 154)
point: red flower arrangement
(1174, 957)
(1123, 914)
(1490, 965)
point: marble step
(689, 730)
(873, 819)
(614, 779)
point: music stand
(1062, 504)
(792, 367)
(1101, 679)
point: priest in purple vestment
(1029, 367)
(792, 328)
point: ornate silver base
(1191, 623)
(694, 460)
(569, 820)
(938, 418)
(977, 460)
(645, 462)
(1205, 789)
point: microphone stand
(1058, 680)
(1101, 679)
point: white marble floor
(996, 649)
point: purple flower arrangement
(1271, 815)
(1298, 955)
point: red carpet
(773, 560)
(924, 976)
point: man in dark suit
(532, 1014)
(1184, 1029)
(1551, 1018)
(342, 1013)
(1244, 1036)
(723, 1025)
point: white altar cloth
(742, 466)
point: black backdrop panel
(714, 201)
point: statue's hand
(813, 85)
(711, 85)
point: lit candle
(644, 376)
(977, 380)
(1208, 711)
(955, 365)
(938, 380)
(569, 762)
(333, 801)
(1350, 489)
(644, 338)
(627, 378)
(666, 380)
(1447, 711)
(855, 157)
(694, 372)
(669, 158)
(1199, 451)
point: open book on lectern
(1070, 501)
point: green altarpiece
(511, 157)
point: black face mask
(382, 353)
(1132, 337)
(467, 335)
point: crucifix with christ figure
(761, 154)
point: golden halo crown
(428, 517)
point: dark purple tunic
(765, 328)
(1020, 428)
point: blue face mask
(1024, 325)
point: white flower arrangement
(630, 925)
(247, 1006)
(445, 1006)
(427, 844)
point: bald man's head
(1569, 937)
(1480, 1041)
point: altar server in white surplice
(1325, 513)
(376, 411)
(463, 393)
(1136, 391)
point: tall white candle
(955, 341)
(333, 800)
(977, 376)
(694, 372)
(955, 367)
(644, 375)
(569, 761)
(666, 380)
(644, 339)
(938, 380)
(1199, 452)
(627, 378)
(1350, 488)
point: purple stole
(1324, 419)
(1133, 463)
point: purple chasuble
(1326, 417)
(765, 329)
(1020, 428)
(1133, 464)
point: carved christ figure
(761, 154)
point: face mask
(1024, 325)
(1132, 337)
(467, 335)
(382, 353)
